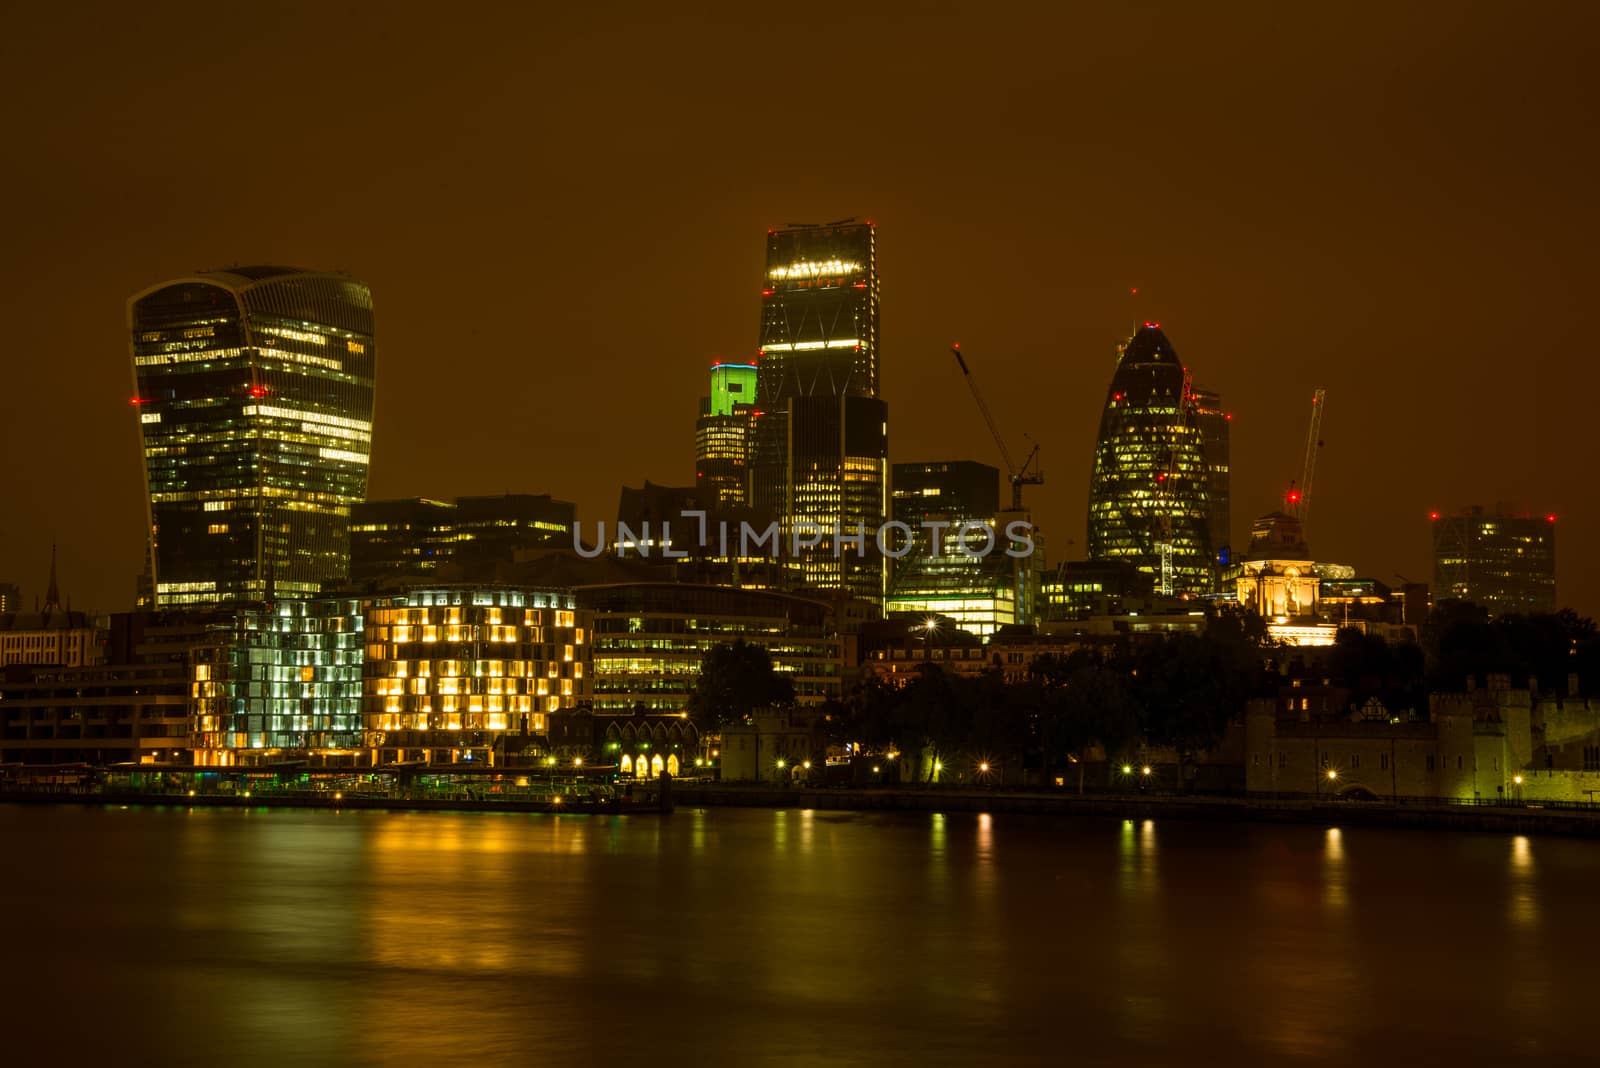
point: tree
(1370, 667)
(1463, 643)
(736, 680)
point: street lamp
(577, 762)
(1145, 770)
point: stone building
(1494, 743)
(773, 747)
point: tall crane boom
(1313, 445)
(1020, 476)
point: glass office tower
(978, 592)
(722, 436)
(1214, 425)
(1149, 491)
(1502, 560)
(254, 394)
(821, 442)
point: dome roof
(1149, 345)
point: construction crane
(1300, 496)
(1026, 475)
(1163, 524)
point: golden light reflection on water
(1335, 892)
(1524, 883)
(492, 938)
(1531, 993)
(1142, 955)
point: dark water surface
(735, 936)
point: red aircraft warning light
(1433, 515)
(258, 391)
(1551, 518)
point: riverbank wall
(1500, 819)
(1439, 816)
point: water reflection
(1141, 953)
(1334, 889)
(396, 938)
(1524, 888)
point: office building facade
(1149, 490)
(821, 443)
(279, 681)
(978, 592)
(468, 674)
(411, 537)
(1502, 560)
(254, 400)
(650, 639)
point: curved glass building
(253, 387)
(1149, 501)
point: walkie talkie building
(254, 395)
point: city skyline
(1274, 284)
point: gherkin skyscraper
(1149, 503)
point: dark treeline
(1179, 690)
(1176, 692)
(1462, 642)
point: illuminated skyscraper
(722, 436)
(821, 456)
(1214, 426)
(1501, 560)
(254, 393)
(1149, 494)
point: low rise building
(650, 638)
(279, 681)
(61, 638)
(774, 746)
(133, 708)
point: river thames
(751, 936)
